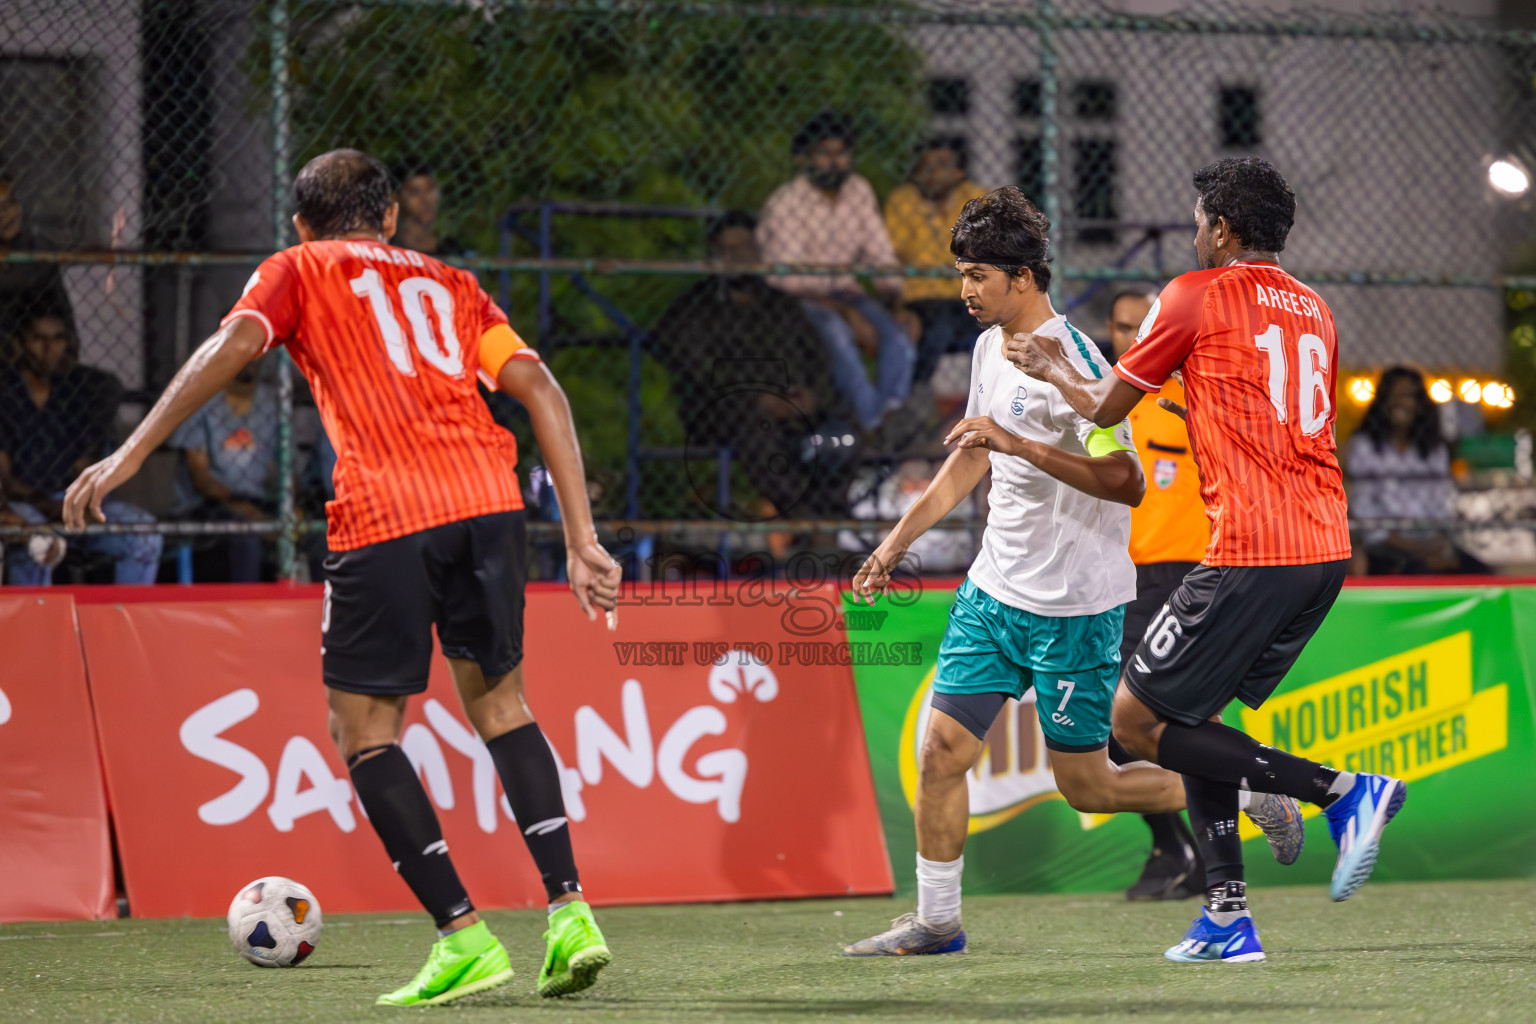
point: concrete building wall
(1386, 144)
(86, 184)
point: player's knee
(498, 713)
(1128, 737)
(1134, 732)
(941, 758)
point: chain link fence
(636, 182)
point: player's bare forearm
(1105, 401)
(594, 576)
(530, 382)
(956, 478)
(959, 475)
(1116, 476)
(213, 365)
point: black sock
(1213, 813)
(401, 814)
(532, 784)
(1169, 833)
(1221, 753)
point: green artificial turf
(1458, 951)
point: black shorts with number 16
(1229, 631)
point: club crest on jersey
(1017, 405)
(1163, 472)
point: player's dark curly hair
(1004, 229)
(1251, 194)
(342, 191)
(828, 124)
(1424, 431)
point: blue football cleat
(910, 935)
(1356, 820)
(1236, 943)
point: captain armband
(1104, 440)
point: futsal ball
(274, 922)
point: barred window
(1026, 97)
(1094, 100)
(1029, 167)
(949, 96)
(1095, 189)
(1237, 116)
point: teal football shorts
(1072, 661)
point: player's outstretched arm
(959, 475)
(594, 575)
(1106, 401)
(1111, 476)
(212, 366)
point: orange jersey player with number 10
(1258, 356)
(426, 529)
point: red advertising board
(704, 755)
(55, 854)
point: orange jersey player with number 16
(1258, 356)
(426, 530)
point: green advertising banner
(1431, 684)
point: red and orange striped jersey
(389, 340)
(1259, 356)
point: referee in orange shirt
(1169, 533)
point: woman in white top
(1400, 468)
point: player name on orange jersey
(379, 254)
(1301, 305)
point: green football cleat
(576, 951)
(467, 961)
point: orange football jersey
(389, 340)
(1170, 524)
(1259, 357)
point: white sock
(938, 890)
(1343, 783)
(1224, 918)
(1244, 798)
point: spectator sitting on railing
(419, 196)
(25, 288)
(56, 418)
(918, 217)
(750, 374)
(229, 463)
(1400, 468)
(827, 214)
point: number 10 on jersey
(441, 349)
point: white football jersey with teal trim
(1048, 548)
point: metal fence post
(287, 483)
(1050, 141)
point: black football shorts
(382, 600)
(1155, 584)
(1229, 631)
